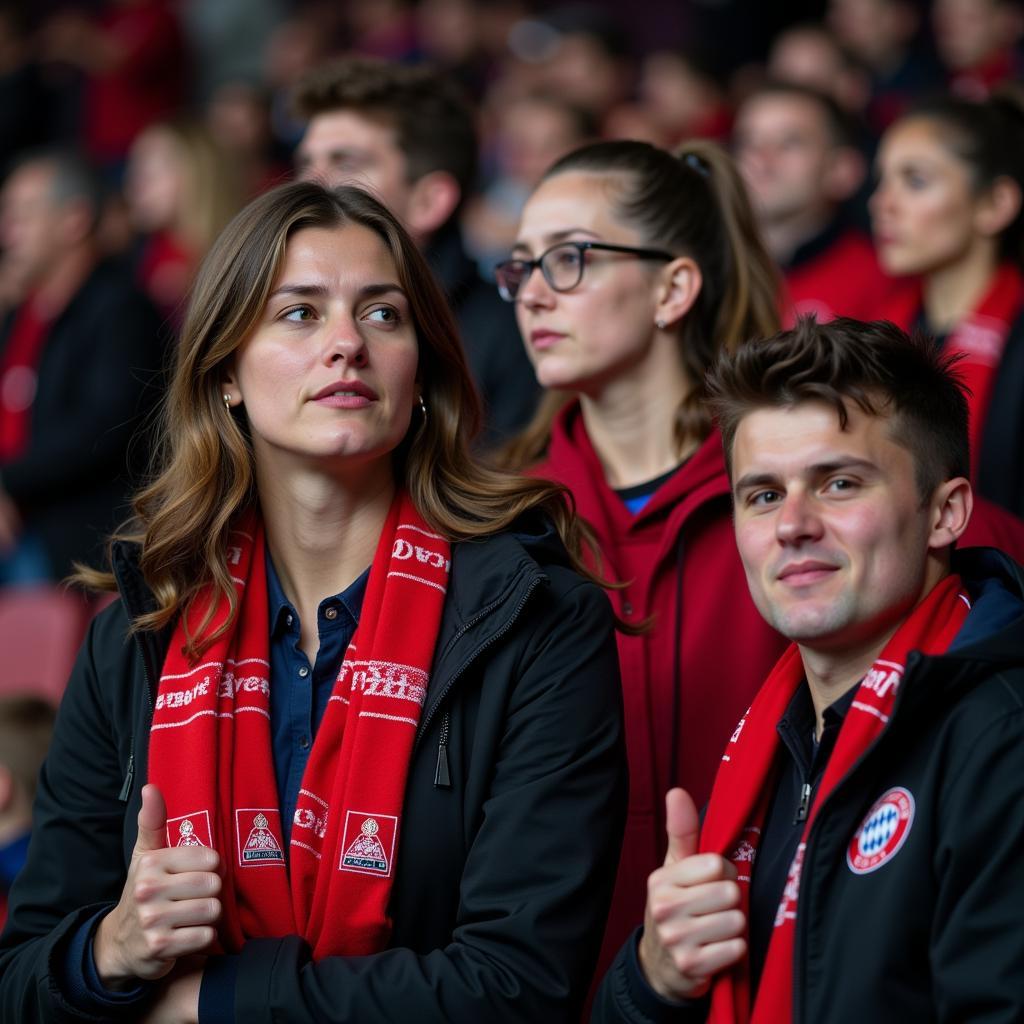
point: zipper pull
(442, 777)
(126, 789)
(805, 803)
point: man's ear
(951, 507)
(432, 201)
(681, 282)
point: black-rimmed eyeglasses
(562, 266)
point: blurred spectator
(885, 36)
(24, 101)
(531, 133)
(451, 36)
(26, 726)
(382, 28)
(132, 57)
(181, 190)
(684, 97)
(228, 40)
(811, 55)
(583, 58)
(238, 117)
(76, 356)
(948, 207)
(796, 150)
(295, 48)
(976, 40)
(408, 135)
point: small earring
(423, 409)
(227, 402)
(660, 324)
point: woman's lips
(346, 394)
(542, 339)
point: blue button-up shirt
(299, 691)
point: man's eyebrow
(815, 470)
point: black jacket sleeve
(977, 943)
(538, 872)
(76, 862)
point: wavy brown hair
(692, 203)
(205, 473)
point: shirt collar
(280, 608)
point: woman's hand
(168, 908)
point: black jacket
(934, 932)
(97, 382)
(504, 874)
(490, 336)
(1001, 459)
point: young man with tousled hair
(407, 134)
(859, 858)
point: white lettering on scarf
(230, 684)
(404, 551)
(387, 679)
(182, 698)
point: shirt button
(289, 619)
(304, 743)
(331, 613)
(303, 671)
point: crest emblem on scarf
(882, 833)
(189, 830)
(259, 836)
(369, 843)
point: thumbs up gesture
(693, 927)
(168, 907)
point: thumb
(152, 820)
(682, 823)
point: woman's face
(328, 376)
(581, 339)
(923, 211)
(154, 186)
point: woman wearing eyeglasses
(632, 268)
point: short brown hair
(433, 121)
(26, 726)
(880, 368)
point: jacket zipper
(129, 775)
(442, 778)
(442, 696)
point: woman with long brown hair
(649, 264)
(375, 703)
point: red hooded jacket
(679, 558)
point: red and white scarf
(210, 749)
(745, 782)
(980, 339)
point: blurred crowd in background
(132, 130)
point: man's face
(345, 148)
(830, 525)
(783, 149)
(31, 225)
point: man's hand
(693, 927)
(168, 908)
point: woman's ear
(998, 207)
(679, 287)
